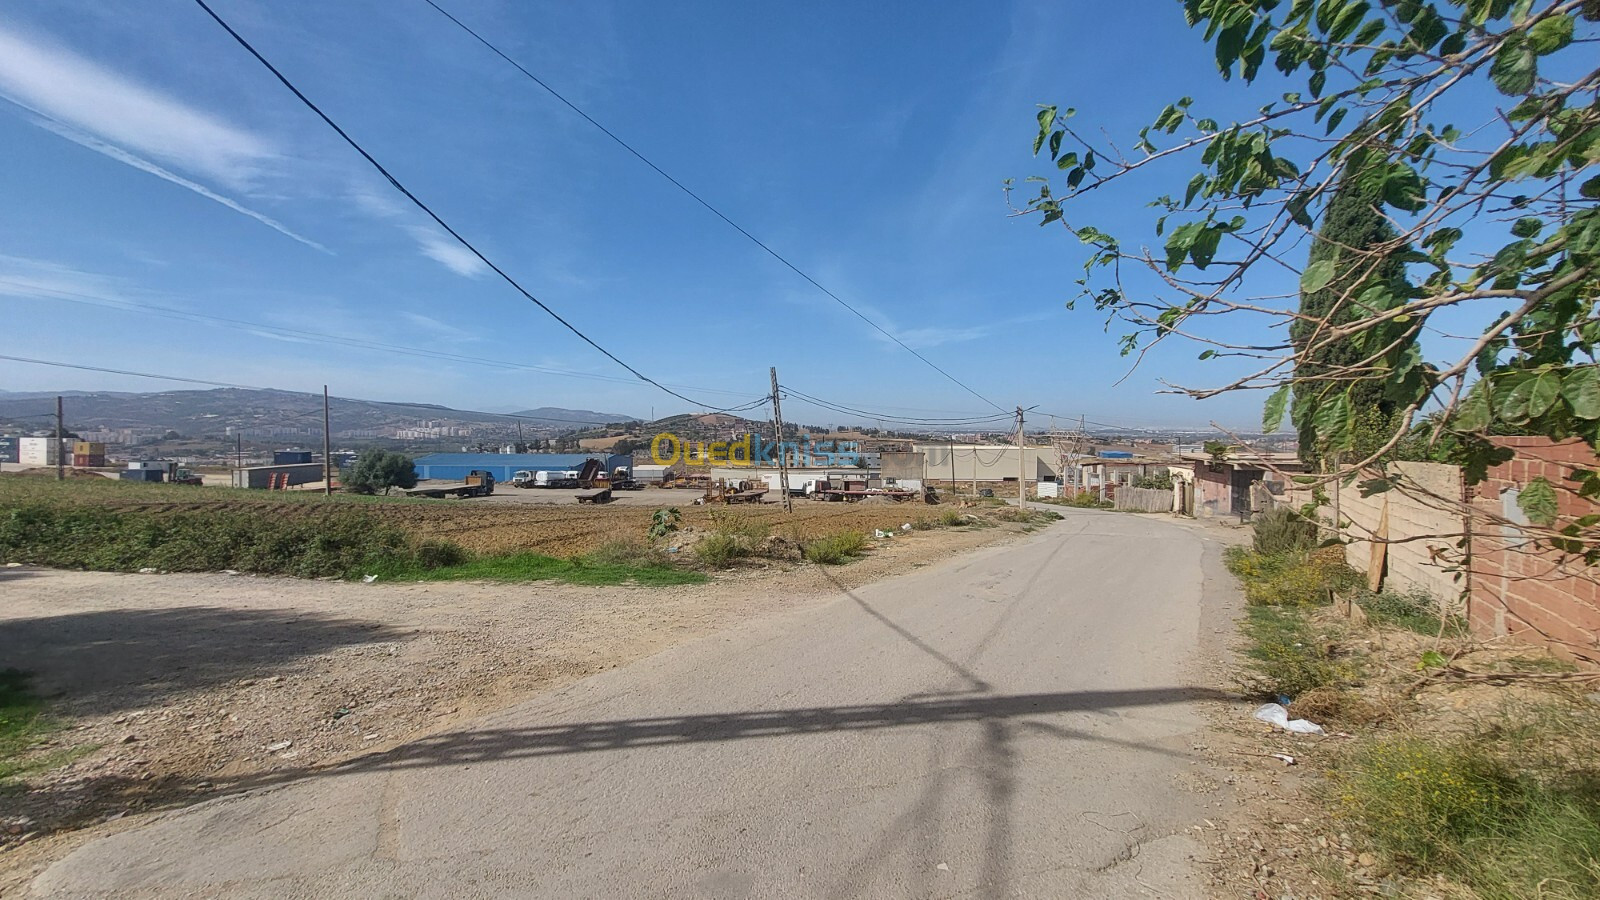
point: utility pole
(327, 449)
(952, 465)
(783, 464)
(238, 450)
(61, 432)
(1022, 462)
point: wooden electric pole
(327, 448)
(1022, 462)
(61, 432)
(783, 464)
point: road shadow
(107, 661)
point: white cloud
(66, 88)
(133, 124)
(449, 332)
(144, 165)
(448, 252)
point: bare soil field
(514, 523)
(177, 688)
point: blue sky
(151, 163)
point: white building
(39, 451)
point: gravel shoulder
(191, 686)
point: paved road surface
(1015, 722)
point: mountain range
(202, 412)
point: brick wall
(1520, 590)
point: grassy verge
(24, 724)
(1471, 808)
(338, 541)
(1501, 803)
(594, 569)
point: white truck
(543, 479)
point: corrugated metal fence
(1144, 499)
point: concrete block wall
(1518, 589)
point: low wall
(1143, 499)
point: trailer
(479, 483)
(601, 496)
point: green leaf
(1316, 276)
(1537, 500)
(1207, 354)
(1550, 34)
(1581, 389)
(1515, 66)
(1272, 415)
(1527, 227)
(1432, 659)
(1512, 405)
(1473, 413)
(1332, 420)
(1543, 393)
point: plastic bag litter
(1276, 714)
(368, 579)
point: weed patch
(1285, 657)
(1455, 806)
(837, 548)
(339, 541)
(603, 569)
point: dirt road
(1017, 721)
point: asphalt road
(1015, 722)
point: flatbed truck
(478, 483)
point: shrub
(1293, 578)
(837, 548)
(950, 518)
(720, 548)
(1422, 801)
(625, 553)
(432, 554)
(339, 542)
(1283, 530)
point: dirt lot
(186, 686)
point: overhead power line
(340, 340)
(395, 182)
(889, 417)
(702, 201)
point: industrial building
(277, 477)
(456, 466)
(949, 461)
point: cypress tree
(1351, 227)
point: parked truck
(478, 483)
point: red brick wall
(1522, 591)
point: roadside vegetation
(1080, 500)
(620, 564)
(24, 726)
(1471, 770)
(104, 525)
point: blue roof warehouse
(456, 466)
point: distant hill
(211, 412)
(575, 416)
